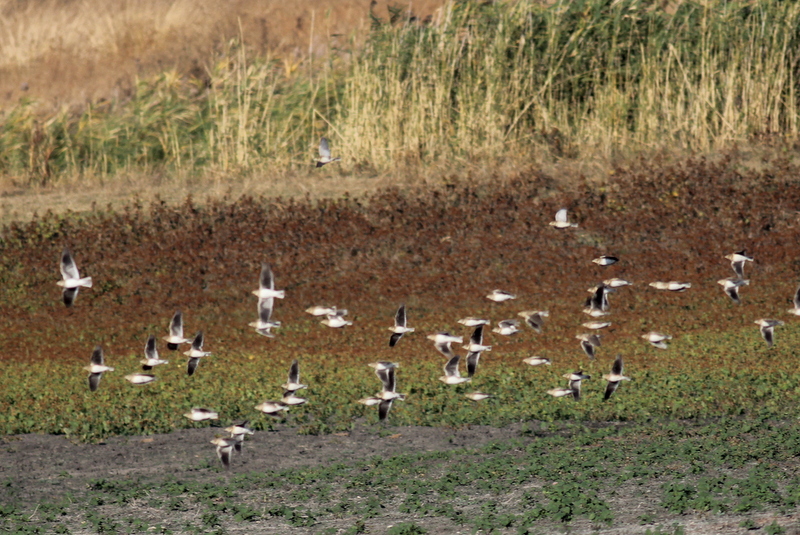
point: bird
(656, 339)
(290, 399)
(195, 353)
(386, 397)
(238, 432)
(673, 286)
(477, 396)
(796, 302)
(472, 362)
(400, 326)
(383, 365)
(443, 341)
(588, 343)
(537, 361)
(265, 324)
(605, 260)
(475, 344)
(325, 153)
(336, 320)
(596, 324)
(292, 383)
(560, 392)
(597, 304)
(737, 262)
(473, 322)
(614, 378)
(151, 355)
(561, 220)
(272, 408)
(71, 279)
(451, 374)
(575, 379)
(175, 337)
(507, 327)
(767, 327)
(199, 414)
(534, 318)
(616, 283)
(225, 447)
(140, 378)
(322, 310)
(266, 284)
(498, 296)
(731, 287)
(96, 368)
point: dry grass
(75, 51)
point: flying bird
(238, 432)
(293, 383)
(336, 320)
(477, 396)
(151, 355)
(325, 153)
(199, 414)
(498, 296)
(767, 327)
(614, 378)
(737, 262)
(605, 260)
(575, 379)
(195, 353)
(475, 344)
(175, 337)
(451, 374)
(272, 408)
(537, 361)
(225, 447)
(443, 342)
(588, 343)
(265, 324)
(731, 287)
(384, 399)
(656, 339)
(534, 318)
(507, 327)
(96, 368)
(672, 286)
(400, 326)
(266, 284)
(796, 302)
(140, 378)
(473, 322)
(561, 220)
(71, 279)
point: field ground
(704, 439)
(679, 477)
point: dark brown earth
(46, 469)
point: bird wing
(69, 295)
(451, 368)
(616, 368)
(394, 339)
(400, 317)
(192, 365)
(294, 372)
(561, 215)
(266, 281)
(97, 356)
(324, 149)
(477, 335)
(472, 362)
(68, 268)
(150, 351)
(197, 343)
(176, 325)
(383, 409)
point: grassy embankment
(480, 84)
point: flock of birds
(596, 306)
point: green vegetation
(532, 484)
(482, 82)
